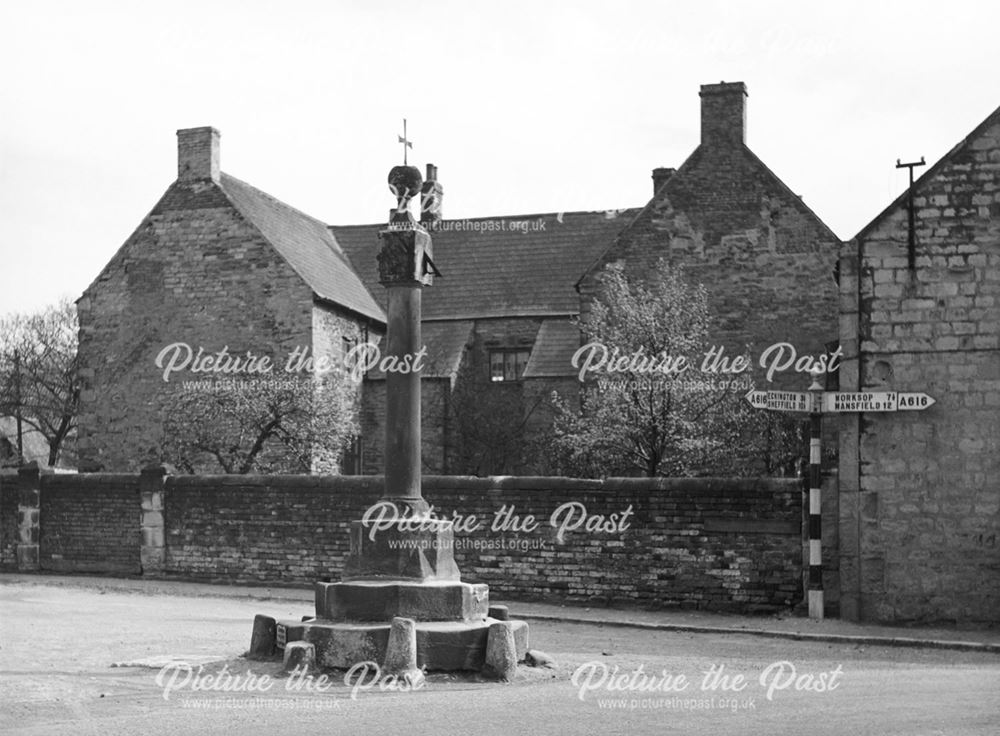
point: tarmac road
(57, 645)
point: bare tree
(38, 374)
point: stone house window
(508, 365)
(351, 461)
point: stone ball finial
(405, 183)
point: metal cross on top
(405, 141)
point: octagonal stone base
(441, 645)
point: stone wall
(334, 334)
(712, 544)
(920, 490)
(435, 429)
(196, 272)
(8, 520)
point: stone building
(216, 264)
(512, 285)
(498, 329)
(765, 258)
(919, 500)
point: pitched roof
(695, 194)
(515, 266)
(445, 343)
(307, 245)
(552, 354)
(992, 119)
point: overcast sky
(526, 107)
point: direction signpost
(838, 402)
(817, 402)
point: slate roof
(445, 343)
(552, 355)
(307, 245)
(491, 269)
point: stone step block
(441, 645)
(383, 601)
(394, 553)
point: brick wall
(285, 529)
(711, 544)
(89, 523)
(920, 490)
(693, 543)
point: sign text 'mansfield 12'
(858, 401)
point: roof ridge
(508, 217)
(640, 213)
(796, 198)
(932, 171)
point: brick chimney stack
(660, 176)
(723, 114)
(197, 154)
(431, 199)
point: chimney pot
(723, 114)
(197, 154)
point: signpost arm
(815, 594)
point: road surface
(58, 645)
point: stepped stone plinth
(353, 619)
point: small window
(347, 345)
(351, 460)
(508, 365)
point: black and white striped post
(815, 595)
